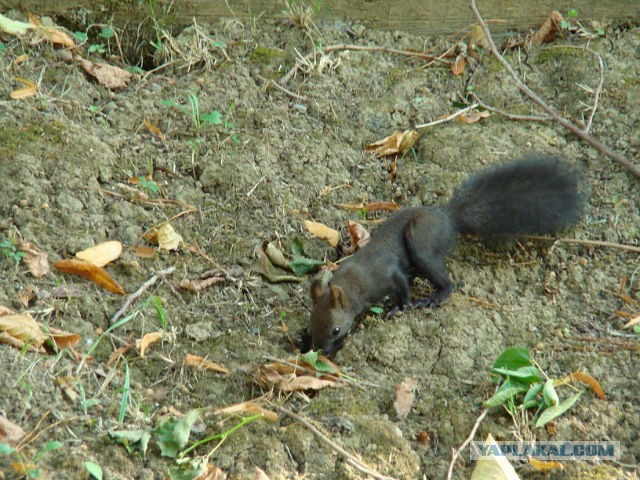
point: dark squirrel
(533, 195)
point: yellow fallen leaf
(30, 90)
(101, 254)
(168, 238)
(545, 465)
(204, 364)
(36, 260)
(147, 340)
(395, 144)
(89, 270)
(320, 230)
(22, 326)
(251, 407)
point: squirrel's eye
(335, 331)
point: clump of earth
(277, 157)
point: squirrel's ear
(338, 298)
(318, 289)
(320, 284)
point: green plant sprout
(10, 250)
(28, 468)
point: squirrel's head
(331, 317)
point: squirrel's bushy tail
(533, 195)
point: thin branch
(457, 452)
(159, 274)
(350, 459)
(448, 118)
(510, 116)
(601, 147)
(588, 243)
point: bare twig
(350, 459)
(456, 452)
(159, 274)
(584, 135)
(268, 81)
(510, 116)
(588, 243)
(448, 118)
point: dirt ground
(278, 158)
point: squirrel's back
(533, 195)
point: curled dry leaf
(63, 339)
(22, 327)
(320, 230)
(143, 251)
(457, 68)
(204, 364)
(147, 340)
(288, 378)
(199, 284)
(168, 238)
(28, 91)
(250, 407)
(359, 236)
(495, 467)
(50, 33)
(90, 271)
(155, 130)
(405, 395)
(36, 260)
(101, 254)
(264, 267)
(109, 76)
(473, 116)
(395, 144)
(549, 29)
(276, 257)
(591, 382)
(10, 432)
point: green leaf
(301, 265)
(528, 374)
(189, 470)
(173, 434)
(549, 394)
(6, 448)
(219, 44)
(106, 32)
(513, 358)
(47, 448)
(312, 358)
(572, 13)
(505, 395)
(94, 470)
(530, 399)
(376, 310)
(554, 412)
(129, 439)
(214, 118)
(80, 37)
(126, 388)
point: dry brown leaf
(36, 260)
(23, 327)
(10, 432)
(63, 339)
(276, 257)
(143, 251)
(26, 295)
(101, 254)
(155, 130)
(251, 407)
(204, 364)
(473, 116)
(395, 144)
(90, 271)
(259, 474)
(52, 34)
(359, 236)
(320, 230)
(458, 66)
(200, 284)
(264, 267)
(30, 90)
(109, 76)
(405, 395)
(168, 238)
(370, 207)
(147, 340)
(212, 472)
(151, 236)
(300, 384)
(66, 384)
(549, 29)
(591, 382)
(545, 465)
